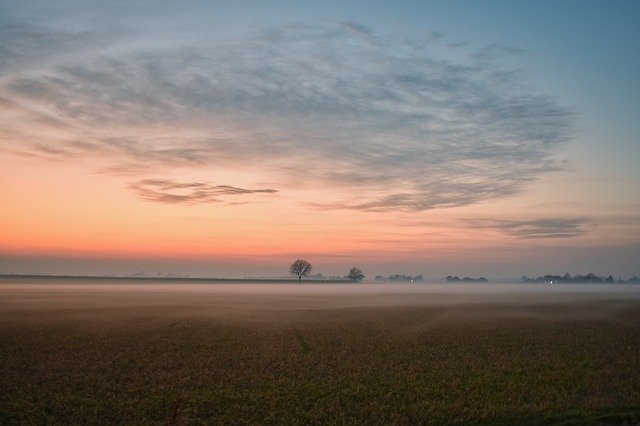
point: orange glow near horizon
(261, 145)
(74, 211)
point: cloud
(536, 228)
(385, 124)
(173, 192)
(26, 45)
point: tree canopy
(355, 274)
(300, 268)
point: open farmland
(100, 352)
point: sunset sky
(228, 138)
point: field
(187, 354)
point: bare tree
(355, 275)
(300, 268)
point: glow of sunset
(207, 142)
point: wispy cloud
(385, 123)
(536, 228)
(173, 192)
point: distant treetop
(300, 268)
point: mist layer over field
(122, 351)
(209, 298)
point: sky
(229, 138)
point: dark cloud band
(173, 192)
(534, 229)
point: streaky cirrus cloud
(385, 122)
(173, 192)
(535, 228)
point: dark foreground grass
(519, 364)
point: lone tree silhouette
(355, 275)
(300, 268)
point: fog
(246, 298)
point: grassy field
(178, 357)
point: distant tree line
(589, 278)
(456, 279)
(355, 275)
(398, 277)
(320, 277)
(302, 268)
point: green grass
(551, 364)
